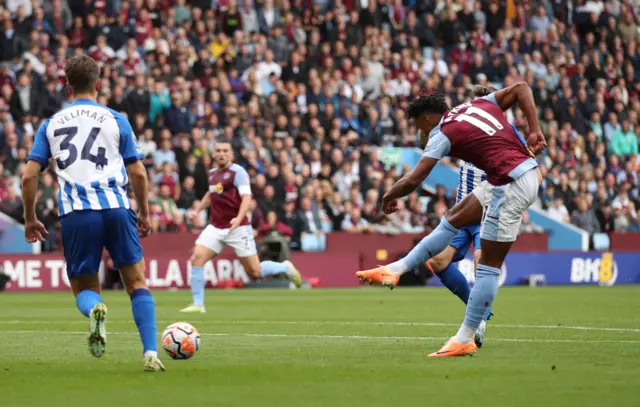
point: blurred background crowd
(309, 91)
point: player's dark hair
(222, 140)
(434, 103)
(82, 73)
(482, 90)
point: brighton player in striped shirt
(95, 156)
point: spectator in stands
(177, 115)
(624, 141)
(354, 223)
(25, 100)
(169, 217)
(273, 224)
(187, 193)
(168, 177)
(585, 218)
(558, 211)
(165, 155)
(12, 204)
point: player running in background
(91, 146)
(477, 132)
(230, 199)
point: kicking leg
(466, 212)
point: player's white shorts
(240, 240)
(504, 206)
(479, 192)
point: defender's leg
(123, 243)
(82, 238)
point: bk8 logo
(603, 271)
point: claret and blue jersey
(91, 146)
(469, 176)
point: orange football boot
(455, 348)
(379, 276)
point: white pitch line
(365, 337)
(347, 323)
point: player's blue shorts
(86, 233)
(462, 241)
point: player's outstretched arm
(408, 183)
(521, 93)
(140, 184)
(33, 229)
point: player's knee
(451, 216)
(133, 277)
(198, 259)
(437, 264)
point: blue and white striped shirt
(91, 145)
(469, 177)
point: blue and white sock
(271, 268)
(482, 295)
(86, 300)
(455, 281)
(428, 247)
(197, 285)
(144, 313)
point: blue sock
(482, 295)
(430, 246)
(197, 285)
(144, 313)
(270, 268)
(86, 300)
(455, 281)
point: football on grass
(181, 340)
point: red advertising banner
(47, 272)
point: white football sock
(465, 334)
(150, 353)
(397, 267)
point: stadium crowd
(309, 92)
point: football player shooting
(472, 180)
(476, 132)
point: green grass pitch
(549, 346)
